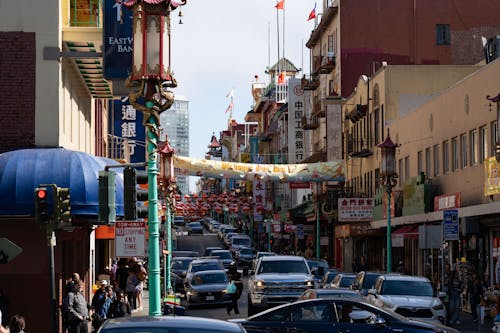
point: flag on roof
(280, 5)
(313, 13)
(230, 106)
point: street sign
(299, 232)
(450, 224)
(8, 250)
(130, 239)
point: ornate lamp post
(151, 72)
(388, 179)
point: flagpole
(278, 34)
(268, 44)
(283, 32)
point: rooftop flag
(230, 106)
(280, 5)
(313, 13)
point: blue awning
(21, 171)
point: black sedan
(194, 228)
(161, 324)
(179, 267)
(206, 288)
(335, 315)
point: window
(454, 154)
(473, 147)
(443, 34)
(446, 158)
(483, 143)
(493, 137)
(463, 150)
(420, 162)
(400, 172)
(84, 13)
(436, 160)
(427, 162)
(377, 126)
(407, 168)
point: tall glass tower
(175, 124)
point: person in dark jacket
(120, 307)
(475, 289)
(78, 310)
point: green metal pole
(153, 223)
(169, 248)
(317, 230)
(389, 237)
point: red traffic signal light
(41, 193)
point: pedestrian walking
(122, 274)
(119, 307)
(454, 291)
(102, 307)
(234, 294)
(133, 286)
(78, 310)
(475, 289)
(17, 324)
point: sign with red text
(356, 209)
(130, 239)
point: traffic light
(107, 197)
(62, 205)
(41, 205)
(132, 194)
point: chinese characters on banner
(128, 125)
(259, 199)
(356, 209)
(298, 101)
(334, 133)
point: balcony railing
(119, 148)
(310, 123)
(360, 147)
(310, 82)
(324, 64)
(318, 110)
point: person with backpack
(234, 290)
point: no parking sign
(130, 239)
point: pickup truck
(278, 280)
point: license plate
(210, 298)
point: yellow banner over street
(312, 172)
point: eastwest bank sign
(117, 40)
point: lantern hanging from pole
(388, 152)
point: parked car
(194, 228)
(185, 254)
(318, 268)
(227, 238)
(259, 255)
(409, 296)
(204, 264)
(335, 315)
(342, 280)
(161, 324)
(328, 277)
(225, 257)
(179, 266)
(209, 249)
(179, 221)
(331, 293)
(207, 287)
(364, 281)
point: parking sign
(450, 224)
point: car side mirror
(441, 294)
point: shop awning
(408, 231)
(21, 171)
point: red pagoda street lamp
(388, 179)
(151, 72)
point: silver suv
(410, 296)
(278, 280)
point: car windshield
(330, 277)
(346, 281)
(146, 329)
(246, 251)
(214, 278)
(413, 288)
(206, 266)
(180, 263)
(241, 241)
(286, 266)
(195, 224)
(222, 254)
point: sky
(222, 45)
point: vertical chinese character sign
(128, 125)
(259, 198)
(297, 105)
